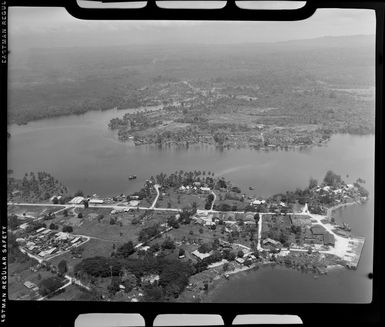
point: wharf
(352, 258)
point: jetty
(352, 258)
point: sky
(55, 27)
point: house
(249, 216)
(240, 260)
(318, 230)
(77, 200)
(29, 284)
(150, 279)
(329, 239)
(200, 255)
(16, 192)
(205, 189)
(75, 239)
(23, 226)
(182, 188)
(134, 203)
(269, 241)
(96, 201)
(62, 236)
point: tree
(53, 226)
(173, 222)
(80, 215)
(55, 200)
(332, 179)
(62, 267)
(168, 243)
(125, 250)
(65, 213)
(226, 266)
(205, 248)
(129, 282)
(181, 252)
(201, 230)
(114, 286)
(154, 248)
(240, 254)
(79, 193)
(153, 293)
(49, 285)
(67, 229)
(312, 183)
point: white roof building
(77, 200)
(240, 260)
(205, 189)
(24, 226)
(96, 201)
(134, 203)
(62, 236)
(201, 255)
(40, 230)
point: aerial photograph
(191, 161)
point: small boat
(132, 177)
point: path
(156, 187)
(212, 203)
(259, 247)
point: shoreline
(330, 210)
(216, 284)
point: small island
(172, 239)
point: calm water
(83, 154)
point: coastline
(220, 280)
(330, 210)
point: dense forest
(47, 83)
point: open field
(32, 211)
(18, 275)
(174, 199)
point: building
(23, 226)
(77, 200)
(200, 255)
(269, 241)
(329, 239)
(134, 203)
(240, 260)
(318, 230)
(205, 189)
(96, 201)
(150, 279)
(29, 284)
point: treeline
(36, 186)
(173, 274)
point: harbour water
(83, 154)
